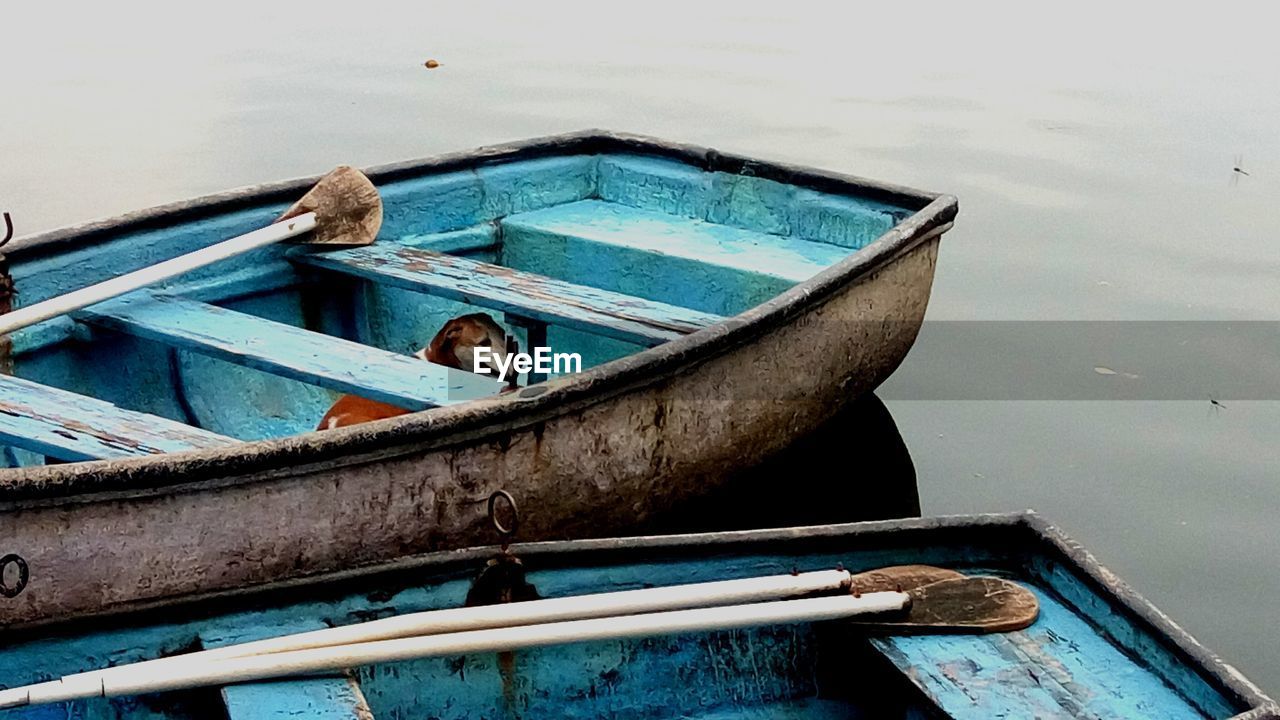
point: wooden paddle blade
(963, 605)
(347, 206)
(902, 578)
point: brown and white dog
(454, 346)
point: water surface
(1091, 147)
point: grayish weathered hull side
(579, 469)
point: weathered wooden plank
(68, 426)
(1059, 667)
(786, 258)
(519, 293)
(1061, 576)
(303, 355)
(750, 203)
(457, 242)
(329, 697)
(441, 202)
(322, 698)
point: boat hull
(1096, 649)
(590, 455)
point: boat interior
(1093, 652)
(599, 255)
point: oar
(299, 662)
(900, 577)
(935, 603)
(581, 607)
(578, 607)
(945, 601)
(343, 208)
(969, 605)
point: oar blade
(902, 578)
(972, 605)
(347, 206)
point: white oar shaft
(300, 662)
(579, 607)
(107, 289)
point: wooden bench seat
(1078, 672)
(786, 258)
(333, 696)
(311, 357)
(68, 426)
(516, 293)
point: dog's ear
(441, 346)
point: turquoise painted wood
(1061, 576)
(709, 243)
(461, 199)
(614, 252)
(742, 201)
(299, 354)
(67, 426)
(1059, 667)
(1079, 659)
(692, 263)
(457, 242)
(332, 697)
(527, 295)
(326, 698)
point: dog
(454, 346)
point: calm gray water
(1091, 147)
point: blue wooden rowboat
(722, 306)
(1097, 650)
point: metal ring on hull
(20, 583)
(506, 533)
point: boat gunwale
(583, 142)
(1045, 539)
(271, 459)
(1220, 675)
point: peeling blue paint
(431, 204)
(693, 264)
(1059, 667)
(745, 202)
(511, 291)
(1064, 664)
(331, 697)
(845, 222)
(535, 184)
(1125, 634)
(645, 227)
(750, 203)
(288, 351)
(707, 243)
(655, 184)
(67, 426)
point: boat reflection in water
(854, 467)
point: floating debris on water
(1237, 170)
(1108, 371)
(431, 64)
